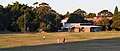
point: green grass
(15, 40)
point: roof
(91, 26)
(96, 19)
(64, 20)
(70, 25)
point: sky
(63, 6)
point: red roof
(96, 19)
(66, 18)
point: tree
(44, 26)
(91, 15)
(105, 13)
(67, 14)
(1, 18)
(105, 23)
(116, 14)
(116, 24)
(35, 3)
(80, 12)
(116, 19)
(47, 15)
(12, 17)
(12, 13)
(75, 18)
(57, 19)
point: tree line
(19, 17)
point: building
(64, 20)
(81, 27)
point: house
(64, 20)
(80, 27)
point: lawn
(34, 39)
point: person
(44, 37)
(58, 40)
(40, 30)
(64, 40)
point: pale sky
(62, 6)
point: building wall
(76, 30)
(86, 29)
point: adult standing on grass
(64, 40)
(58, 40)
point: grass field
(35, 39)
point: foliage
(116, 24)
(116, 19)
(116, 15)
(75, 18)
(103, 22)
(1, 18)
(105, 13)
(67, 14)
(44, 26)
(90, 15)
(47, 15)
(80, 12)
(43, 16)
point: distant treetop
(43, 3)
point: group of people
(58, 40)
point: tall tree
(116, 19)
(105, 14)
(57, 18)
(75, 18)
(116, 14)
(1, 18)
(80, 12)
(47, 15)
(116, 24)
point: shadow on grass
(112, 44)
(4, 32)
